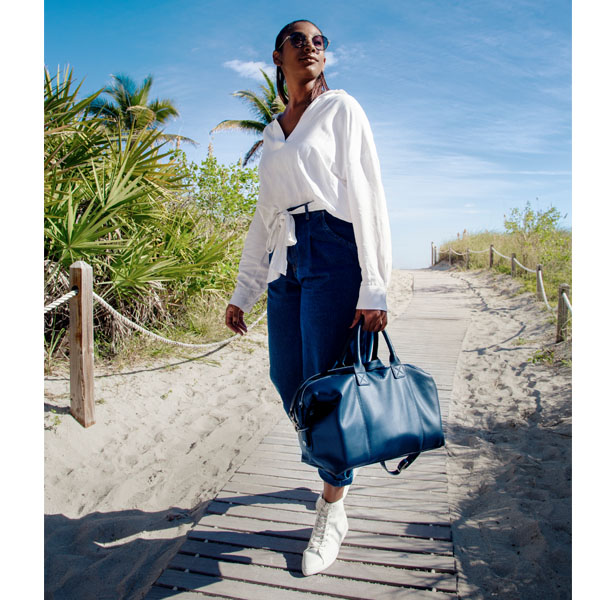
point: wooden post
(468, 257)
(539, 274)
(82, 344)
(431, 254)
(513, 264)
(561, 322)
(491, 255)
(450, 256)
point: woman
(319, 243)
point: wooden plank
(377, 476)
(159, 593)
(303, 478)
(286, 580)
(430, 457)
(414, 485)
(413, 512)
(280, 515)
(353, 538)
(279, 481)
(224, 587)
(366, 475)
(281, 452)
(378, 556)
(289, 452)
(308, 506)
(442, 581)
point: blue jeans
(310, 309)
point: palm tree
(264, 107)
(130, 108)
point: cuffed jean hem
(328, 478)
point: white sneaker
(330, 527)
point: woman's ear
(276, 58)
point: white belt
(281, 235)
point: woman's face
(305, 62)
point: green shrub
(536, 238)
(158, 232)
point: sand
(509, 449)
(121, 495)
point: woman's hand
(234, 319)
(374, 320)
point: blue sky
(469, 101)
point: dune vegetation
(163, 235)
(535, 236)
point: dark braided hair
(320, 85)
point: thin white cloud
(250, 68)
(331, 58)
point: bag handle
(360, 371)
(373, 347)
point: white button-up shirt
(330, 161)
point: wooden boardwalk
(250, 541)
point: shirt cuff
(372, 297)
(245, 299)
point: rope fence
(501, 255)
(517, 262)
(60, 301)
(81, 337)
(562, 311)
(160, 338)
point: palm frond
(170, 137)
(258, 106)
(242, 124)
(253, 152)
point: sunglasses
(298, 40)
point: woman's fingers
(374, 320)
(234, 319)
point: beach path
(250, 540)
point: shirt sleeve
(254, 265)
(367, 206)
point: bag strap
(403, 464)
(347, 355)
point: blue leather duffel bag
(366, 412)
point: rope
(515, 260)
(479, 251)
(501, 255)
(60, 301)
(545, 299)
(567, 302)
(160, 338)
(458, 253)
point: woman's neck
(300, 93)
